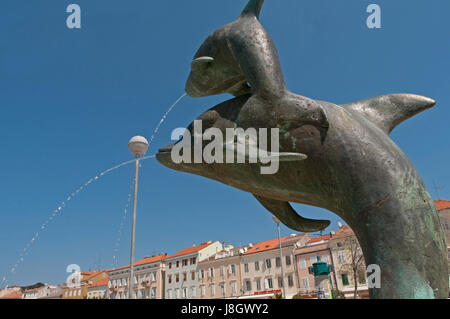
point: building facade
(219, 276)
(181, 280)
(261, 267)
(148, 279)
(78, 289)
(98, 290)
(44, 292)
(305, 257)
(348, 262)
(443, 207)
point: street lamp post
(138, 145)
(277, 221)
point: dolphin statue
(346, 162)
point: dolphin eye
(201, 61)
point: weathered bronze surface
(352, 168)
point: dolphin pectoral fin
(289, 217)
(253, 154)
(387, 111)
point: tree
(356, 264)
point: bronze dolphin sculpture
(351, 167)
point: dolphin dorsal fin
(387, 111)
(253, 8)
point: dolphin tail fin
(387, 111)
(289, 217)
(253, 8)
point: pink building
(305, 257)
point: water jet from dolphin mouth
(72, 195)
(60, 208)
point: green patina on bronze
(352, 167)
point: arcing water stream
(72, 195)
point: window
(324, 259)
(178, 263)
(177, 277)
(212, 290)
(233, 269)
(258, 284)
(313, 260)
(280, 282)
(169, 294)
(193, 292)
(222, 270)
(344, 278)
(202, 291)
(256, 265)
(211, 272)
(135, 279)
(248, 285)
(184, 292)
(361, 277)
(302, 263)
(268, 263)
(341, 257)
(233, 288)
(154, 276)
(288, 260)
(290, 281)
(269, 283)
(184, 276)
(305, 283)
(193, 275)
(170, 267)
(170, 279)
(246, 267)
(177, 293)
(222, 288)
(79, 292)
(278, 262)
(202, 273)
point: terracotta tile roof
(311, 249)
(191, 250)
(99, 284)
(146, 260)
(318, 239)
(442, 204)
(13, 295)
(89, 275)
(344, 231)
(264, 246)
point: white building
(45, 292)
(181, 281)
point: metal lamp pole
(138, 145)
(277, 221)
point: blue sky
(71, 100)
